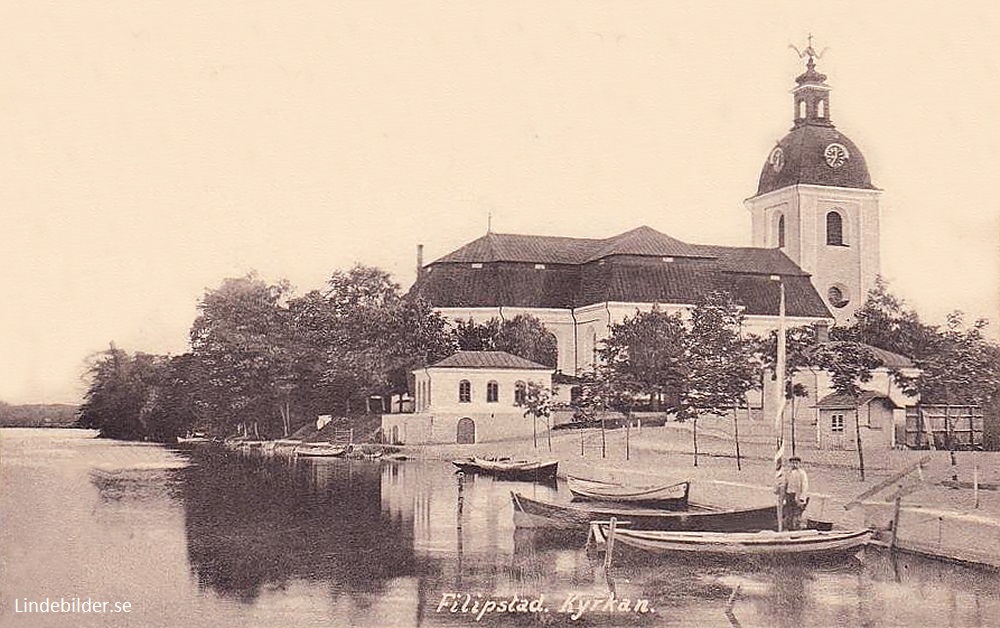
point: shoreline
(934, 520)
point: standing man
(796, 494)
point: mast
(779, 427)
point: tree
(849, 364)
(721, 363)
(524, 336)
(962, 367)
(538, 404)
(799, 346)
(886, 321)
(239, 336)
(124, 398)
(645, 355)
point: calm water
(210, 538)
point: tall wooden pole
(779, 450)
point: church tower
(816, 202)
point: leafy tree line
(703, 363)
(265, 361)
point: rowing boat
(320, 449)
(508, 469)
(766, 543)
(671, 496)
(533, 513)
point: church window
(820, 109)
(781, 231)
(802, 108)
(520, 390)
(492, 392)
(465, 391)
(837, 296)
(834, 229)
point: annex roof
(887, 358)
(846, 402)
(489, 360)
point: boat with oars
(673, 495)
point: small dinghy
(671, 496)
(320, 450)
(509, 469)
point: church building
(815, 230)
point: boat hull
(798, 543)
(531, 513)
(527, 471)
(670, 496)
(320, 451)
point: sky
(150, 149)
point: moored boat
(673, 496)
(533, 513)
(320, 449)
(509, 469)
(765, 543)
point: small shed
(876, 413)
(469, 397)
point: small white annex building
(469, 397)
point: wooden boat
(672, 496)
(533, 513)
(509, 469)
(766, 543)
(320, 449)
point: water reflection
(254, 522)
(215, 538)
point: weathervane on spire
(809, 51)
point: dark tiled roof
(510, 247)
(845, 402)
(643, 241)
(745, 259)
(639, 266)
(488, 360)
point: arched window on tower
(834, 229)
(802, 109)
(781, 231)
(821, 109)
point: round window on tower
(838, 296)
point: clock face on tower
(777, 159)
(836, 155)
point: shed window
(520, 390)
(836, 422)
(492, 392)
(464, 391)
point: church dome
(816, 155)
(814, 152)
